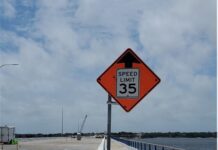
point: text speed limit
(128, 83)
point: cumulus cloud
(66, 45)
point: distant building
(6, 134)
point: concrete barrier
(102, 146)
(125, 147)
(115, 145)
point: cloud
(7, 7)
(63, 47)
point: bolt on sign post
(128, 80)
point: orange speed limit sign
(128, 80)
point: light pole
(1, 66)
(62, 122)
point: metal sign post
(109, 123)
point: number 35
(130, 88)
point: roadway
(63, 143)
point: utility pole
(62, 122)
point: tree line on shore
(166, 134)
(128, 134)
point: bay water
(185, 143)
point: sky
(62, 46)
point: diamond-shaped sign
(128, 80)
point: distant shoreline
(141, 135)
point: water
(186, 143)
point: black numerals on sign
(124, 90)
(131, 88)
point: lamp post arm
(7, 65)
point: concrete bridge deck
(64, 143)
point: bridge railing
(140, 145)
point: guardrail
(140, 145)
